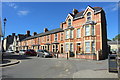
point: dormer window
(69, 22)
(89, 16)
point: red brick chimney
(34, 33)
(13, 34)
(28, 33)
(75, 11)
(45, 29)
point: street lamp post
(4, 26)
(3, 35)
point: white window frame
(67, 34)
(92, 33)
(61, 38)
(93, 46)
(87, 47)
(71, 47)
(89, 30)
(89, 16)
(67, 47)
(70, 22)
(55, 37)
(71, 33)
(78, 34)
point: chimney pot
(34, 33)
(75, 11)
(45, 29)
(28, 33)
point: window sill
(90, 35)
(79, 38)
(69, 38)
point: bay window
(78, 33)
(93, 46)
(87, 30)
(67, 47)
(67, 34)
(71, 33)
(93, 31)
(71, 47)
(87, 46)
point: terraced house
(82, 33)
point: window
(55, 37)
(88, 16)
(48, 38)
(69, 22)
(87, 46)
(67, 47)
(71, 33)
(78, 33)
(93, 31)
(53, 48)
(61, 36)
(71, 47)
(93, 46)
(87, 30)
(67, 34)
(56, 48)
(48, 47)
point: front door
(78, 48)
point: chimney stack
(13, 34)
(34, 33)
(75, 11)
(45, 29)
(28, 33)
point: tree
(117, 37)
(108, 40)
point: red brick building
(83, 34)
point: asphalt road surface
(36, 67)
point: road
(36, 67)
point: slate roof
(80, 14)
(45, 33)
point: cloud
(115, 7)
(12, 5)
(22, 12)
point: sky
(35, 16)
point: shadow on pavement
(18, 57)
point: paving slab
(94, 74)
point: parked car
(43, 53)
(30, 52)
(9, 51)
(22, 52)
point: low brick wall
(92, 57)
(62, 55)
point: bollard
(67, 56)
(57, 55)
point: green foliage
(116, 38)
(108, 40)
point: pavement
(9, 63)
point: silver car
(43, 53)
